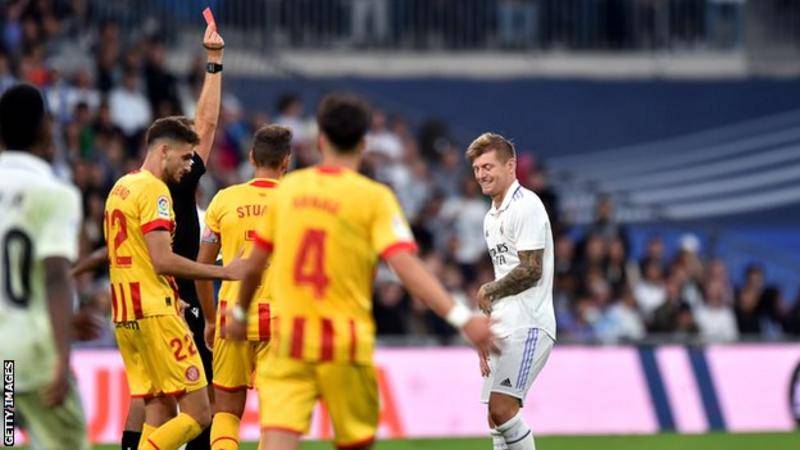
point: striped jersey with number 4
(231, 219)
(40, 219)
(327, 228)
(138, 204)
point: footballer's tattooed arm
(522, 277)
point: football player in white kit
(520, 300)
(39, 226)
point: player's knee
(231, 402)
(203, 418)
(229, 409)
(501, 412)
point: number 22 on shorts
(177, 347)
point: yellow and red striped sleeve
(390, 230)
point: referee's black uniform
(186, 242)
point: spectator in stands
(666, 318)
(688, 258)
(384, 152)
(622, 320)
(754, 278)
(564, 255)
(650, 291)
(129, 108)
(536, 180)
(747, 318)
(107, 57)
(7, 78)
(450, 170)
(593, 255)
(654, 250)
(416, 190)
(162, 89)
(383, 141)
(792, 321)
(391, 308)
(606, 224)
(616, 266)
(715, 318)
(686, 325)
(577, 325)
(463, 215)
(290, 115)
(772, 312)
(427, 224)
(717, 272)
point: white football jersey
(40, 219)
(521, 224)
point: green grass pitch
(713, 441)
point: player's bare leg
(155, 412)
(279, 440)
(504, 413)
(228, 409)
(193, 417)
(132, 432)
(135, 415)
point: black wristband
(213, 67)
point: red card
(209, 16)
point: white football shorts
(523, 353)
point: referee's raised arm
(208, 105)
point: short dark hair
(344, 119)
(177, 128)
(22, 115)
(271, 145)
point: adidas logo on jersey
(506, 383)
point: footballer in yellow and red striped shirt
(326, 230)
(231, 222)
(154, 340)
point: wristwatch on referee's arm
(213, 67)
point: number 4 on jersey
(309, 265)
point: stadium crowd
(103, 88)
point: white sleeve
(60, 222)
(530, 224)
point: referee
(186, 239)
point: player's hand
(478, 331)
(234, 329)
(237, 269)
(213, 44)
(182, 307)
(211, 327)
(87, 323)
(484, 362)
(484, 300)
(56, 392)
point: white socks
(516, 433)
(498, 442)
